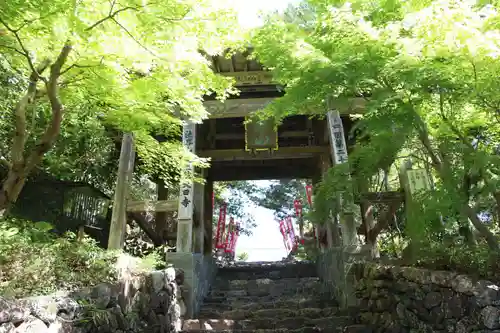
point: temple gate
(300, 147)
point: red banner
(298, 207)
(213, 200)
(284, 233)
(291, 233)
(221, 226)
(309, 193)
(234, 239)
(229, 235)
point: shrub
(34, 260)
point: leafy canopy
(426, 72)
(128, 65)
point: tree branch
(133, 38)
(24, 52)
(54, 127)
(111, 15)
(75, 65)
(19, 140)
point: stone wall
(205, 270)
(333, 267)
(140, 303)
(406, 299)
(199, 274)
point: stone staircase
(268, 298)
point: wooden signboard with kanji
(261, 135)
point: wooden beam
(242, 107)
(382, 197)
(248, 78)
(281, 153)
(152, 206)
(146, 227)
(171, 205)
(241, 136)
(118, 218)
(261, 172)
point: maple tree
(132, 65)
(428, 72)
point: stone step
(243, 301)
(271, 270)
(242, 314)
(307, 282)
(357, 329)
(263, 291)
(347, 329)
(257, 303)
(285, 330)
(322, 324)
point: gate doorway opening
(267, 218)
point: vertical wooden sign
(340, 156)
(337, 138)
(186, 195)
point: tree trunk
(369, 224)
(497, 199)
(483, 229)
(301, 227)
(440, 164)
(21, 166)
(11, 188)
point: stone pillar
(186, 196)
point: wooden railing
(152, 206)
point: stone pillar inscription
(186, 196)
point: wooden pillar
(332, 224)
(208, 217)
(199, 212)
(186, 196)
(340, 156)
(320, 228)
(118, 223)
(161, 218)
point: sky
(266, 242)
(249, 10)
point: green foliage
(236, 196)
(35, 261)
(426, 71)
(243, 256)
(280, 195)
(106, 67)
(476, 261)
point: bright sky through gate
(266, 242)
(248, 10)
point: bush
(34, 260)
(478, 261)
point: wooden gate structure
(301, 147)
